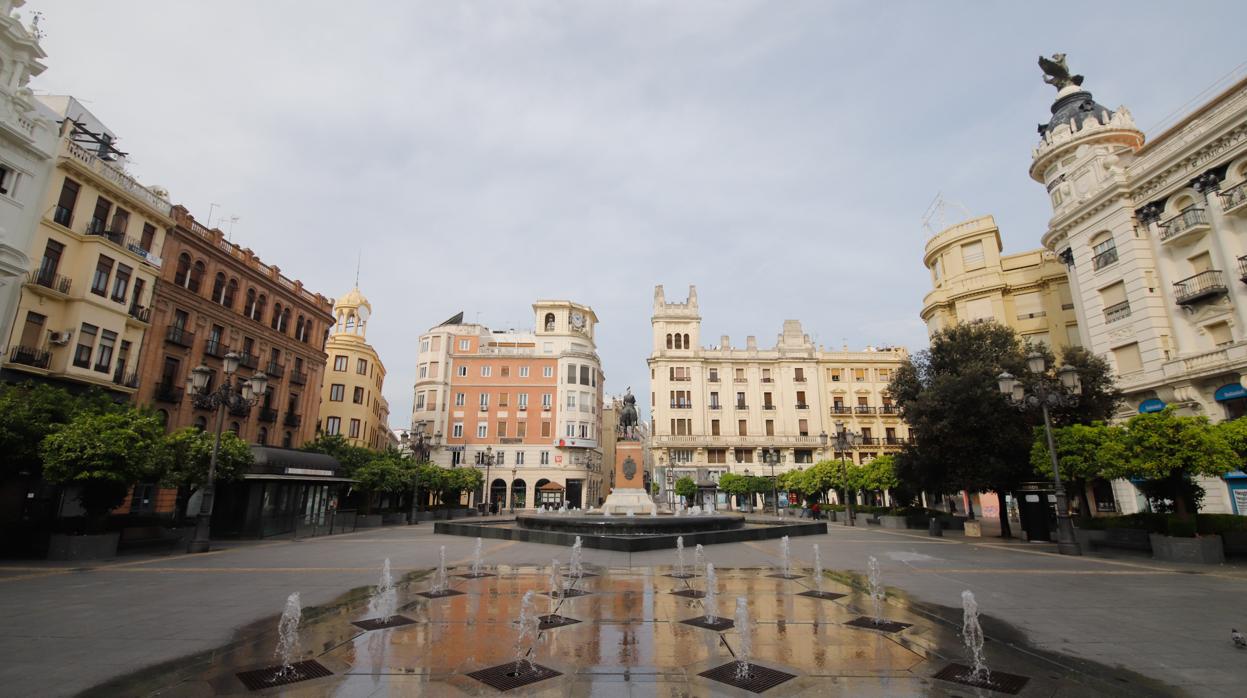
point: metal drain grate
(554, 621)
(718, 625)
(779, 575)
(504, 677)
(680, 575)
(824, 595)
(440, 594)
(379, 624)
(270, 676)
(759, 679)
(565, 594)
(478, 575)
(998, 680)
(883, 626)
(690, 593)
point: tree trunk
(1006, 531)
(1084, 508)
(969, 500)
(1178, 486)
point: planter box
(1205, 550)
(1087, 538)
(94, 547)
(893, 522)
(368, 520)
(1235, 543)
(974, 529)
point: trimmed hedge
(1169, 524)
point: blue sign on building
(1230, 391)
(1152, 405)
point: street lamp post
(771, 456)
(845, 440)
(489, 462)
(1042, 396)
(227, 396)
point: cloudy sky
(481, 155)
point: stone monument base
(629, 501)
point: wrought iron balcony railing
(1196, 288)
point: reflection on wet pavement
(630, 641)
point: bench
(149, 537)
(1124, 539)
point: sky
(478, 156)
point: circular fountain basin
(638, 525)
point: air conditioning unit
(61, 338)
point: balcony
(767, 380)
(841, 409)
(180, 336)
(1117, 311)
(716, 406)
(167, 393)
(248, 360)
(1234, 199)
(30, 356)
(863, 409)
(798, 379)
(274, 370)
(240, 410)
(267, 414)
(292, 419)
(1191, 221)
(125, 380)
(1206, 284)
(869, 441)
(214, 347)
(300, 378)
(675, 405)
(896, 441)
(741, 406)
(802, 406)
(681, 378)
(890, 409)
(1104, 258)
(140, 314)
(712, 379)
(53, 282)
(768, 406)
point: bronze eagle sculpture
(1056, 73)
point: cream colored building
(716, 409)
(1155, 233)
(973, 280)
(530, 400)
(85, 307)
(351, 403)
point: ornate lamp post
(846, 440)
(229, 396)
(770, 456)
(485, 488)
(1042, 396)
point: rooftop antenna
(359, 255)
(936, 213)
(230, 234)
(208, 225)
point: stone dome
(353, 299)
(1076, 106)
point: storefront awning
(300, 478)
(300, 465)
(1230, 391)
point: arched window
(182, 275)
(201, 423)
(679, 341)
(298, 328)
(235, 427)
(285, 320)
(669, 345)
(275, 323)
(163, 416)
(218, 287)
(287, 440)
(248, 308)
(350, 321)
(259, 308)
(231, 290)
(262, 437)
(549, 322)
(196, 277)
(687, 345)
(1103, 249)
(307, 331)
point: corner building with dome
(351, 400)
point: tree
(31, 411)
(388, 472)
(1168, 450)
(1099, 399)
(736, 485)
(102, 454)
(183, 459)
(1084, 452)
(350, 457)
(877, 475)
(686, 488)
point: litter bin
(934, 528)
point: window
(714, 427)
(798, 374)
(64, 212)
(50, 263)
(521, 429)
(584, 375)
(333, 425)
(487, 371)
(571, 374)
(148, 238)
(121, 221)
(218, 287)
(522, 401)
(464, 344)
(716, 455)
(546, 401)
(358, 397)
(547, 372)
(972, 254)
(457, 430)
(424, 345)
(105, 358)
(740, 375)
(519, 457)
(361, 367)
(740, 400)
(484, 402)
(714, 375)
(1028, 305)
(571, 429)
(545, 430)
(545, 458)
(571, 401)
(714, 401)
(502, 458)
(1219, 333)
(937, 269)
(801, 403)
(423, 371)
(766, 401)
(1116, 305)
(504, 372)
(1103, 250)
(742, 427)
(463, 371)
(103, 270)
(459, 399)
(979, 309)
(744, 455)
(86, 345)
(523, 371)
(1128, 359)
(482, 430)
(354, 429)
(766, 375)
(770, 427)
(503, 399)
(32, 331)
(339, 363)
(502, 431)
(803, 427)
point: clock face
(578, 320)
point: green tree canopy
(183, 459)
(685, 487)
(1085, 452)
(1167, 451)
(31, 411)
(351, 457)
(103, 454)
(388, 472)
(876, 475)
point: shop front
(283, 491)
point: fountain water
(439, 578)
(818, 570)
(384, 601)
(745, 647)
(528, 631)
(556, 585)
(288, 635)
(972, 634)
(785, 555)
(710, 599)
(575, 565)
(476, 559)
(699, 557)
(876, 588)
(679, 555)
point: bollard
(934, 528)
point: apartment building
(973, 280)
(351, 400)
(523, 406)
(214, 298)
(1154, 234)
(84, 312)
(717, 409)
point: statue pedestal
(628, 495)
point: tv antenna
(937, 212)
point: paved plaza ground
(1077, 626)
